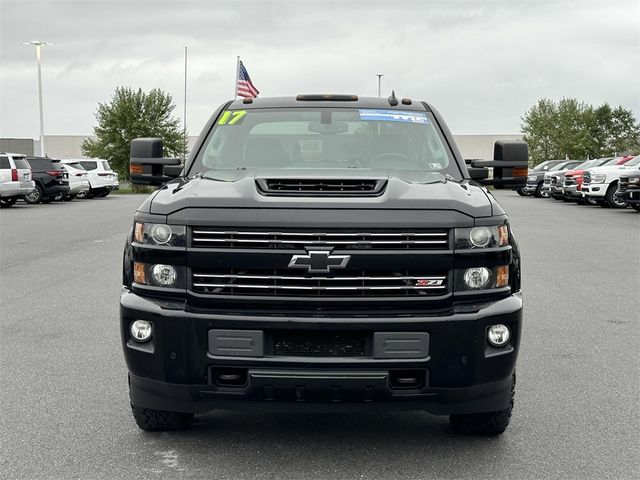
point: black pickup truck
(323, 252)
(629, 189)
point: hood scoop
(331, 187)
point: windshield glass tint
(325, 138)
(633, 162)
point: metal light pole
(184, 119)
(379, 75)
(38, 44)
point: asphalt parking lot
(65, 409)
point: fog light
(477, 277)
(161, 233)
(164, 275)
(141, 331)
(480, 236)
(498, 335)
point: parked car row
(608, 182)
(43, 179)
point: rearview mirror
(510, 166)
(328, 128)
(147, 164)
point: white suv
(78, 179)
(15, 178)
(601, 183)
(102, 179)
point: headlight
(482, 237)
(634, 180)
(481, 278)
(476, 278)
(159, 234)
(159, 275)
(532, 178)
(598, 178)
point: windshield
(323, 138)
(545, 166)
(633, 162)
(560, 166)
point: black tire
(581, 201)
(58, 197)
(83, 194)
(611, 199)
(590, 201)
(636, 206)
(7, 202)
(521, 192)
(538, 192)
(602, 203)
(35, 196)
(47, 200)
(103, 194)
(489, 423)
(68, 198)
(157, 420)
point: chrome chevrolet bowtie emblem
(318, 260)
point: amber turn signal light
(520, 172)
(503, 235)
(139, 275)
(136, 168)
(138, 232)
(502, 276)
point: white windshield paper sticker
(393, 116)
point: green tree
(623, 133)
(539, 128)
(131, 114)
(569, 128)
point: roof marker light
(327, 98)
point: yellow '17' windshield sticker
(232, 117)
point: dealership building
(69, 146)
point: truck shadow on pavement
(349, 445)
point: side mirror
(147, 165)
(510, 166)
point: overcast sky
(481, 63)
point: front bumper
(461, 372)
(596, 190)
(572, 192)
(530, 187)
(630, 196)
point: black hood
(403, 191)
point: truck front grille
(350, 283)
(586, 178)
(256, 239)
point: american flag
(245, 87)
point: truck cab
(324, 253)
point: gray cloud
(480, 63)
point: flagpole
(184, 119)
(235, 87)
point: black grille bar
(221, 238)
(349, 284)
(331, 187)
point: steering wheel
(392, 154)
(401, 157)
